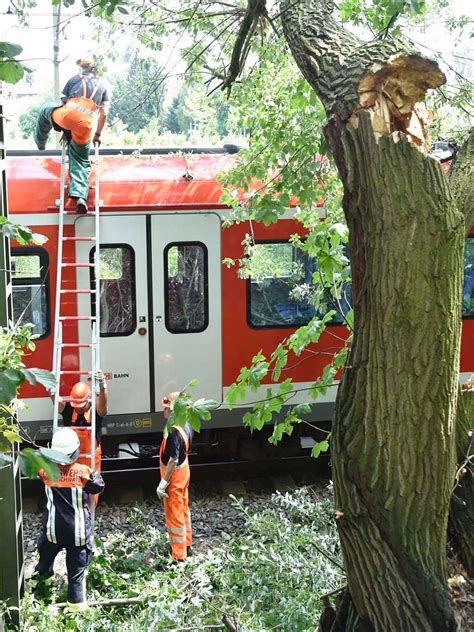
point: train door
(160, 306)
(124, 342)
(186, 281)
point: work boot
(189, 551)
(37, 580)
(81, 205)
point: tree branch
(255, 10)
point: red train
(170, 311)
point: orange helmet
(167, 402)
(80, 394)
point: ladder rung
(77, 291)
(78, 238)
(74, 399)
(77, 318)
(77, 265)
(76, 372)
(76, 345)
(74, 212)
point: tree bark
(461, 516)
(462, 179)
(393, 447)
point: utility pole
(56, 36)
(11, 522)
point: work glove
(100, 379)
(96, 140)
(161, 489)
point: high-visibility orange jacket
(80, 422)
(66, 519)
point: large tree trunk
(393, 447)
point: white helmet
(66, 445)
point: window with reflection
(280, 288)
(117, 290)
(30, 276)
(186, 287)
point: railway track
(135, 481)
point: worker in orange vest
(174, 483)
(78, 412)
(85, 106)
(66, 520)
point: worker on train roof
(174, 483)
(66, 518)
(85, 105)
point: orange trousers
(78, 116)
(177, 515)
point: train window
(117, 290)
(468, 289)
(281, 276)
(186, 291)
(30, 278)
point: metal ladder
(61, 319)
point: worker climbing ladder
(64, 322)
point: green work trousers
(79, 163)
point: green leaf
(11, 71)
(12, 436)
(302, 409)
(40, 376)
(194, 420)
(280, 358)
(5, 459)
(9, 49)
(32, 461)
(257, 373)
(191, 384)
(179, 412)
(322, 446)
(10, 380)
(203, 408)
(349, 319)
(236, 392)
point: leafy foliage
(28, 120)
(194, 109)
(380, 16)
(185, 409)
(138, 96)
(268, 576)
(22, 234)
(14, 343)
(11, 70)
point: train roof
(130, 180)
